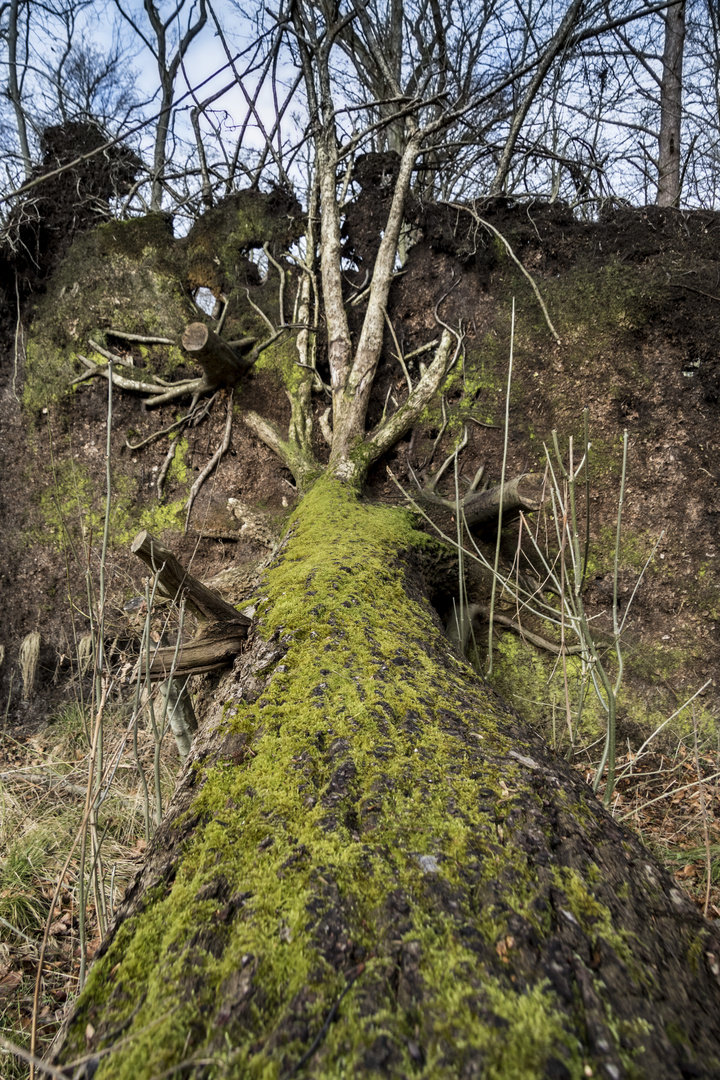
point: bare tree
(56, 75)
(168, 59)
(15, 78)
(671, 107)
(550, 53)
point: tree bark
(178, 707)
(550, 53)
(365, 834)
(214, 648)
(523, 493)
(178, 584)
(671, 108)
(221, 364)
(13, 86)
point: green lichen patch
(219, 244)
(548, 693)
(280, 359)
(72, 509)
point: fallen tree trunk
(365, 834)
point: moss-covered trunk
(372, 869)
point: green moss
(179, 469)
(595, 919)
(592, 309)
(590, 303)
(634, 552)
(676, 1035)
(125, 275)
(72, 510)
(588, 306)
(280, 358)
(650, 661)
(535, 683)
(694, 954)
(137, 238)
(352, 796)
(219, 244)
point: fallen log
(214, 648)
(365, 834)
(176, 583)
(220, 362)
(223, 631)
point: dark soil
(657, 377)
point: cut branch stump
(221, 364)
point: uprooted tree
(370, 868)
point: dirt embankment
(634, 299)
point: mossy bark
(372, 869)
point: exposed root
(169, 457)
(461, 622)
(214, 460)
(528, 635)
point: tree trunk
(365, 834)
(671, 108)
(552, 50)
(13, 86)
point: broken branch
(217, 646)
(143, 339)
(524, 492)
(176, 583)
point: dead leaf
(10, 983)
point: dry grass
(42, 798)
(672, 800)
